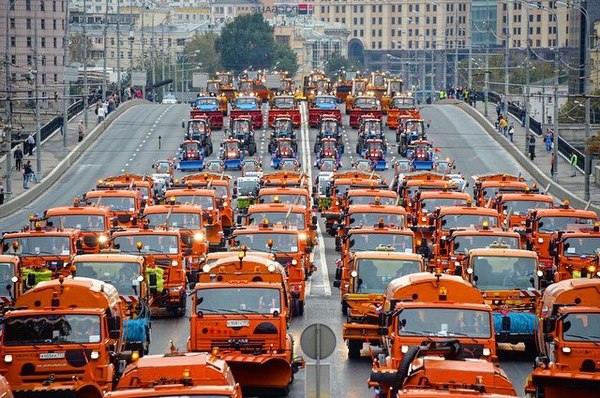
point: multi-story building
(484, 23)
(36, 29)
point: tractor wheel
(354, 348)
(344, 308)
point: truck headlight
(486, 352)
(404, 349)
(540, 240)
(102, 239)
(174, 263)
(354, 274)
(94, 355)
(8, 358)
(198, 236)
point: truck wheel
(354, 348)
(344, 308)
(301, 308)
(295, 307)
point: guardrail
(564, 148)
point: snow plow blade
(215, 117)
(423, 165)
(191, 165)
(257, 116)
(293, 114)
(315, 115)
(231, 164)
(381, 165)
(355, 115)
(261, 375)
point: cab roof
(497, 252)
(444, 194)
(425, 287)
(562, 212)
(113, 192)
(540, 197)
(484, 211)
(190, 191)
(75, 210)
(371, 192)
(384, 254)
(392, 209)
(108, 258)
(177, 208)
(275, 207)
(579, 291)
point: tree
(335, 63)
(592, 145)
(201, 50)
(246, 42)
(573, 111)
(76, 47)
(286, 59)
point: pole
(143, 53)
(506, 58)
(119, 48)
(153, 60)
(86, 90)
(445, 67)
(586, 90)
(162, 52)
(104, 82)
(38, 132)
(66, 84)
(8, 130)
(486, 87)
(470, 79)
(456, 45)
(423, 67)
(318, 350)
(556, 132)
(527, 85)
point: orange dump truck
(486, 186)
(64, 340)
(567, 341)
(166, 260)
(124, 204)
(291, 250)
(177, 374)
(366, 196)
(431, 307)
(401, 106)
(92, 222)
(241, 308)
(142, 183)
(514, 207)
(576, 253)
(370, 272)
(510, 281)
(423, 204)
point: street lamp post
(456, 46)
(10, 5)
(85, 75)
(507, 58)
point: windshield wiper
(256, 312)
(232, 312)
(463, 335)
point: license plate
(52, 355)
(234, 323)
(237, 341)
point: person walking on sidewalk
(503, 126)
(511, 132)
(81, 128)
(30, 144)
(1, 192)
(573, 163)
(27, 174)
(18, 155)
(531, 142)
(101, 114)
(548, 140)
(552, 160)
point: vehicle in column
(359, 87)
(394, 87)
(409, 184)
(514, 207)
(421, 154)
(11, 288)
(323, 105)
(330, 127)
(567, 340)
(246, 301)
(226, 87)
(199, 129)
(143, 183)
(284, 148)
(576, 253)
(191, 156)
(487, 186)
(328, 148)
(215, 88)
(410, 129)
(368, 275)
(232, 154)
(208, 107)
(243, 105)
(245, 190)
(378, 85)
(369, 127)
(165, 254)
(282, 128)
(284, 105)
(509, 280)
(241, 129)
(401, 105)
(364, 105)
(343, 85)
(298, 196)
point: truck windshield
(176, 220)
(583, 327)
(444, 322)
(365, 103)
(207, 202)
(51, 330)
(455, 221)
(163, 168)
(6, 273)
(360, 242)
(197, 126)
(521, 207)
(246, 101)
(286, 243)
(38, 246)
(284, 102)
(151, 243)
(289, 199)
(554, 224)
(325, 99)
(370, 199)
(505, 273)
(82, 222)
(429, 204)
(581, 246)
(374, 274)
(119, 274)
(477, 241)
(115, 203)
(206, 101)
(400, 102)
(274, 217)
(370, 219)
(234, 299)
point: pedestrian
(511, 132)
(18, 155)
(531, 142)
(27, 174)
(30, 144)
(81, 129)
(552, 160)
(548, 141)
(573, 163)
(1, 192)
(498, 109)
(522, 118)
(101, 114)
(503, 126)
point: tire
(295, 307)
(344, 308)
(354, 348)
(301, 308)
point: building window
(380, 33)
(380, 21)
(28, 23)
(355, 32)
(373, 43)
(55, 42)
(54, 24)
(43, 42)
(373, 9)
(43, 78)
(43, 24)
(29, 42)
(379, 45)
(362, 32)
(393, 20)
(13, 59)
(42, 5)
(27, 5)
(29, 60)
(55, 61)
(393, 32)
(362, 21)
(373, 20)
(55, 78)
(372, 32)
(43, 60)
(393, 9)
(12, 23)
(54, 6)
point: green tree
(201, 49)
(573, 111)
(76, 47)
(285, 59)
(246, 42)
(335, 63)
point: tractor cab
(284, 102)
(370, 127)
(242, 129)
(251, 167)
(366, 102)
(215, 166)
(246, 103)
(283, 128)
(284, 148)
(191, 155)
(329, 127)
(290, 164)
(232, 154)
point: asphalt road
(131, 144)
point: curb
(555, 189)
(52, 177)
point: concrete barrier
(53, 176)
(542, 179)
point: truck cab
(576, 253)
(9, 280)
(487, 186)
(514, 207)
(124, 205)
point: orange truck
(423, 204)
(125, 205)
(364, 105)
(568, 340)
(369, 274)
(359, 87)
(284, 105)
(358, 216)
(401, 106)
(514, 207)
(576, 253)
(366, 196)
(241, 308)
(437, 308)
(92, 222)
(394, 86)
(142, 183)
(166, 260)
(43, 254)
(64, 339)
(487, 186)
(542, 225)
(284, 179)
(211, 217)
(288, 195)
(446, 219)
(291, 250)
(510, 280)
(10, 283)
(177, 374)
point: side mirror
(314, 220)
(337, 284)
(338, 274)
(548, 325)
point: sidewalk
(575, 185)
